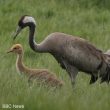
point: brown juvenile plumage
(41, 74)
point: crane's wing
(81, 54)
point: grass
(85, 18)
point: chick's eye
(15, 48)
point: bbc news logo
(12, 106)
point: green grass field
(85, 18)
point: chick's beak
(18, 30)
(9, 51)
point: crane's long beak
(18, 30)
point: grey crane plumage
(73, 53)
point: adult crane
(73, 53)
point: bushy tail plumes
(106, 76)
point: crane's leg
(72, 71)
(93, 79)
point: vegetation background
(89, 19)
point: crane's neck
(36, 47)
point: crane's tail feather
(106, 76)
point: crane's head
(24, 22)
(16, 48)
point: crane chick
(41, 74)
